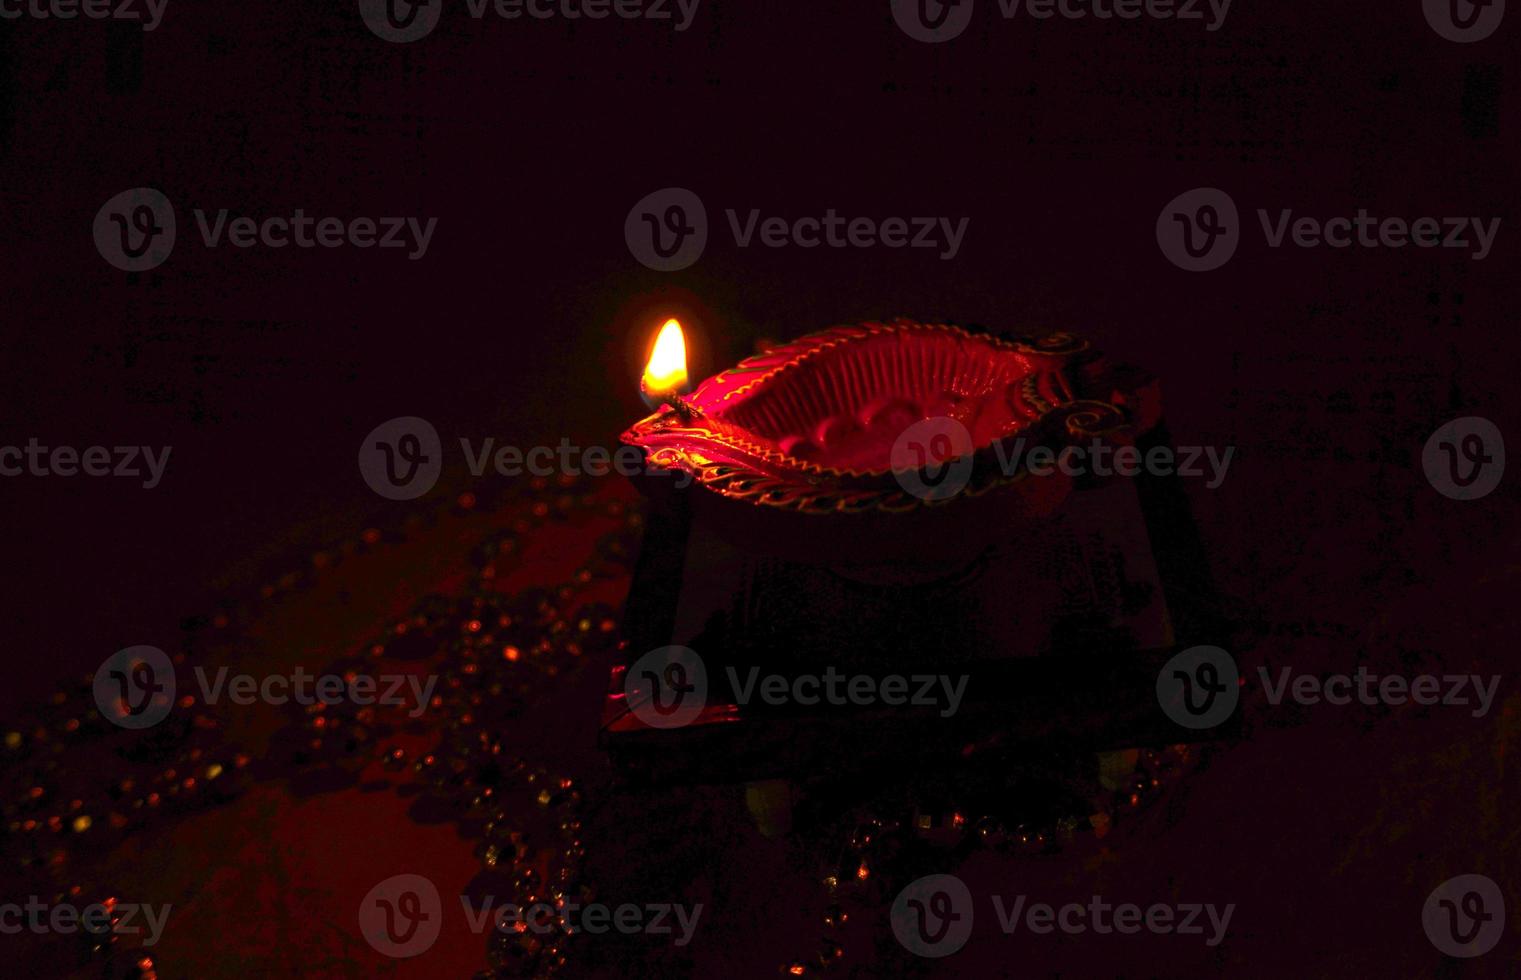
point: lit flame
(667, 369)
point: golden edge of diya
(1056, 390)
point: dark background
(529, 141)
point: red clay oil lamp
(865, 501)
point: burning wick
(665, 376)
